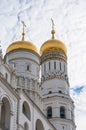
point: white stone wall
(25, 67)
(36, 114)
(56, 102)
(22, 69)
(55, 91)
(55, 85)
(7, 93)
(63, 69)
(17, 117)
(5, 72)
(19, 61)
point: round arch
(10, 102)
(39, 125)
(5, 113)
(49, 112)
(62, 112)
(26, 126)
(26, 110)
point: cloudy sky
(70, 26)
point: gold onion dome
(53, 44)
(22, 45)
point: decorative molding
(53, 55)
(54, 75)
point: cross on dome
(52, 24)
(52, 31)
(23, 33)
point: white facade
(18, 111)
(28, 104)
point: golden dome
(22, 45)
(53, 44)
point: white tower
(24, 61)
(58, 105)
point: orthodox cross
(52, 31)
(23, 33)
(52, 24)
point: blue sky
(70, 25)
(78, 89)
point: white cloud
(80, 105)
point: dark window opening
(62, 112)
(6, 76)
(44, 68)
(25, 126)
(26, 110)
(5, 115)
(28, 67)
(54, 65)
(60, 91)
(49, 65)
(49, 112)
(60, 65)
(50, 92)
(63, 127)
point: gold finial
(52, 31)
(23, 33)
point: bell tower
(58, 105)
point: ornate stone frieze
(54, 55)
(54, 75)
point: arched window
(5, 114)
(49, 112)
(39, 125)
(62, 112)
(26, 126)
(26, 110)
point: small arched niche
(62, 112)
(26, 126)
(26, 110)
(5, 114)
(39, 125)
(49, 112)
